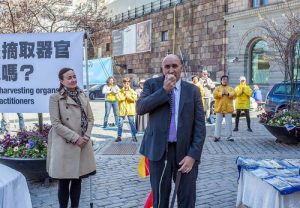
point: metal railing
(145, 9)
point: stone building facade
(198, 35)
(249, 50)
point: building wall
(199, 36)
(243, 30)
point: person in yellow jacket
(242, 103)
(110, 90)
(196, 82)
(126, 100)
(224, 96)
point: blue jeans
(131, 123)
(108, 105)
(5, 122)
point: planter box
(30, 168)
(283, 135)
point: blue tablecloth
(282, 174)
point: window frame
(165, 35)
(107, 47)
(251, 71)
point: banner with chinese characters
(29, 66)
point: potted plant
(284, 125)
(26, 151)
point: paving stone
(117, 183)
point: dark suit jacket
(191, 130)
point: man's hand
(187, 164)
(81, 142)
(169, 82)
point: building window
(260, 66)
(258, 3)
(296, 60)
(129, 71)
(164, 36)
(107, 47)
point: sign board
(135, 38)
(29, 65)
(99, 70)
(143, 36)
(129, 41)
(117, 42)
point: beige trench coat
(64, 158)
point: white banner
(29, 65)
(129, 39)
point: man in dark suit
(175, 134)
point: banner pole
(86, 62)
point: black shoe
(118, 139)
(235, 129)
(230, 139)
(216, 139)
(134, 139)
(249, 129)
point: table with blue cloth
(268, 183)
(14, 191)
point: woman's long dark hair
(61, 77)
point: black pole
(40, 117)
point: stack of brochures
(282, 174)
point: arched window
(260, 66)
(296, 61)
(258, 3)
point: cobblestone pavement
(117, 183)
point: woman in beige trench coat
(70, 154)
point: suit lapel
(183, 96)
(160, 81)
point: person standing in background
(224, 96)
(195, 80)
(141, 120)
(208, 86)
(257, 94)
(242, 103)
(110, 90)
(5, 122)
(126, 99)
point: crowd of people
(227, 100)
(123, 102)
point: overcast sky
(119, 6)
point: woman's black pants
(238, 115)
(66, 191)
